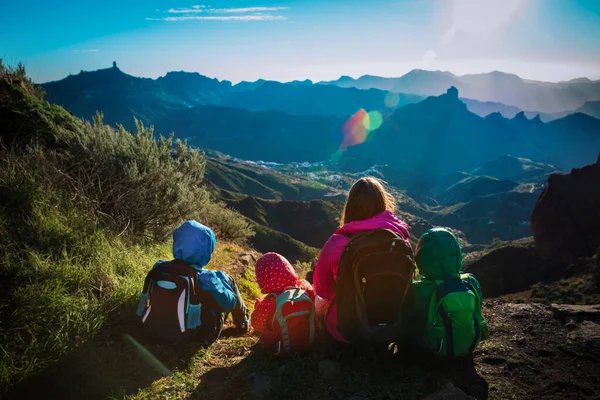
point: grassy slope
(262, 182)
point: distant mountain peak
(579, 80)
(520, 117)
(452, 92)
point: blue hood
(194, 243)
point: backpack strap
(440, 292)
(478, 305)
(143, 303)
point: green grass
(580, 289)
(62, 285)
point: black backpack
(173, 308)
(374, 278)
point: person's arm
(262, 314)
(239, 314)
(323, 276)
(217, 284)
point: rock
(571, 324)
(525, 310)
(586, 332)
(565, 311)
(329, 369)
(449, 392)
(247, 259)
(261, 384)
(512, 269)
(519, 339)
(566, 217)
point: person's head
(367, 198)
(194, 243)
(438, 254)
(274, 273)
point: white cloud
(224, 18)
(208, 13)
(208, 9)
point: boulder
(512, 269)
(564, 311)
(523, 311)
(586, 332)
(566, 216)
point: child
(182, 299)
(286, 316)
(448, 317)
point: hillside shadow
(363, 374)
(116, 363)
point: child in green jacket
(447, 310)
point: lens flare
(357, 128)
(391, 99)
(148, 357)
(372, 120)
(354, 130)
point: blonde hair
(367, 198)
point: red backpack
(295, 319)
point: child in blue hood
(194, 243)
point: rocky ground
(535, 351)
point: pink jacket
(328, 263)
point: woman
(368, 207)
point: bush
(138, 185)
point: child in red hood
(275, 275)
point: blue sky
(285, 40)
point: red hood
(274, 273)
(384, 220)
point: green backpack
(447, 304)
(455, 324)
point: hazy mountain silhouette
(119, 96)
(494, 86)
(304, 98)
(591, 108)
(440, 135)
(437, 135)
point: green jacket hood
(438, 254)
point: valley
(272, 145)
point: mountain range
(509, 89)
(120, 96)
(301, 121)
(440, 135)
